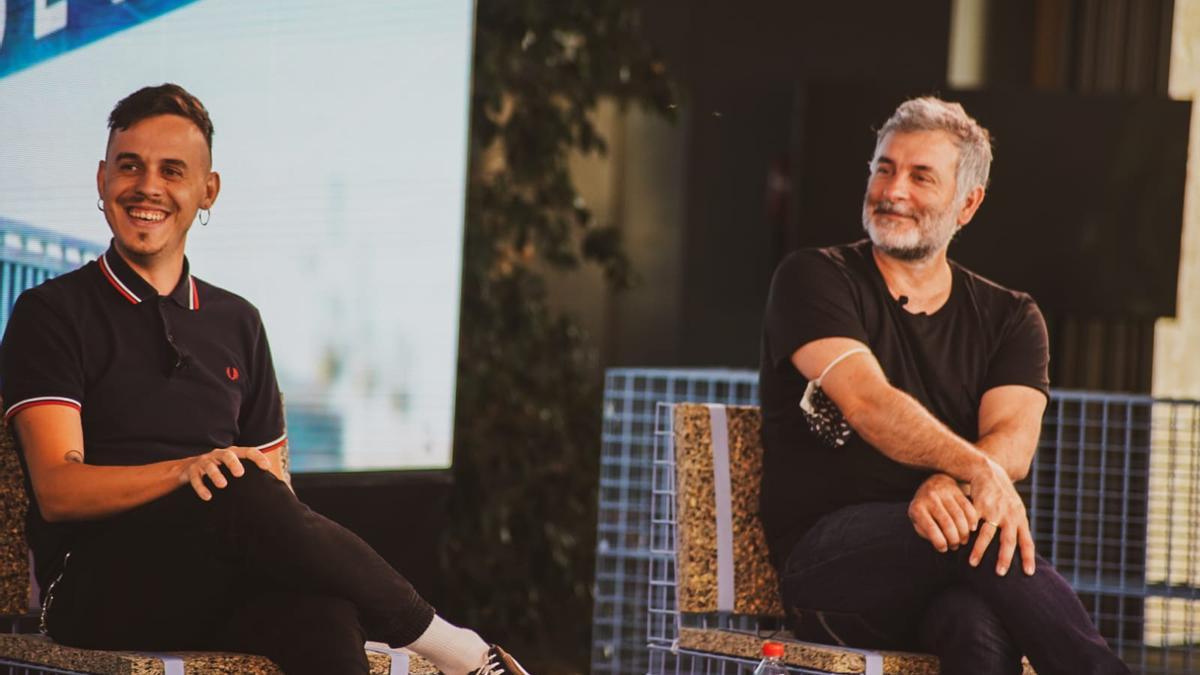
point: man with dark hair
(149, 424)
(880, 359)
(165, 99)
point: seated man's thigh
(861, 576)
(142, 582)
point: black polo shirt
(154, 377)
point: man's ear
(212, 187)
(970, 205)
(100, 179)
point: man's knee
(254, 484)
(965, 632)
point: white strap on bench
(399, 657)
(874, 663)
(723, 493)
(172, 665)
(873, 660)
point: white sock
(454, 650)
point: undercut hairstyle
(165, 99)
(929, 113)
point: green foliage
(519, 554)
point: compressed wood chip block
(14, 555)
(39, 650)
(756, 585)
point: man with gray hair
(902, 396)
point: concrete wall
(1177, 340)
(1173, 543)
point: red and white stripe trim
(40, 400)
(278, 442)
(117, 283)
(193, 296)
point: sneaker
(500, 663)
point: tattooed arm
(69, 489)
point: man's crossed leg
(862, 577)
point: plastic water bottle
(771, 663)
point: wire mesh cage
(18, 668)
(623, 556)
(1114, 500)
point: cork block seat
(39, 652)
(721, 561)
(807, 654)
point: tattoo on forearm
(74, 456)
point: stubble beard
(934, 230)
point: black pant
(253, 570)
(862, 577)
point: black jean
(862, 577)
(253, 570)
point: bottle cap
(772, 649)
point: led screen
(341, 143)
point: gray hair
(929, 113)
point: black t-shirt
(984, 336)
(154, 377)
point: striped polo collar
(131, 286)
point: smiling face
(155, 175)
(911, 211)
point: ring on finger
(992, 523)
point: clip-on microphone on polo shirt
(183, 360)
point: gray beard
(921, 251)
(912, 254)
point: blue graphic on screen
(36, 30)
(340, 137)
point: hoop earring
(100, 204)
(204, 215)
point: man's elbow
(54, 507)
(1019, 472)
(52, 512)
(1018, 462)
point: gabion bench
(714, 594)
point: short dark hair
(165, 99)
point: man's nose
(149, 183)
(895, 188)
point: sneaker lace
(493, 666)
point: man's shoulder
(226, 301)
(66, 290)
(848, 258)
(991, 291)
